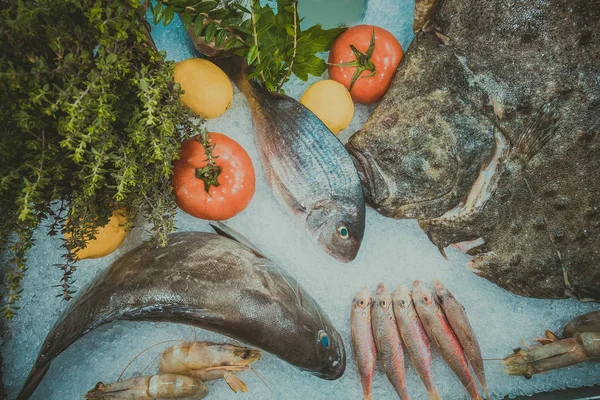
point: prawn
(164, 386)
(209, 361)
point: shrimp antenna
(150, 363)
(142, 352)
(262, 378)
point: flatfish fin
(423, 11)
(539, 131)
(224, 230)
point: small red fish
(459, 321)
(388, 341)
(363, 342)
(439, 331)
(415, 338)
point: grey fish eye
(343, 231)
(324, 339)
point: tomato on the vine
(214, 192)
(364, 59)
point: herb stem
(255, 35)
(289, 71)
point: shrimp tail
(33, 380)
(235, 383)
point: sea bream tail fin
(224, 230)
(540, 130)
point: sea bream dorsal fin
(224, 230)
(540, 130)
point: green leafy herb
(91, 123)
(271, 41)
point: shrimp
(209, 361)
(580, 342)
(168, 386)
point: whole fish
(363, 342)
(441, 334)
(459, 321)
(388, 341)
(489, 135)
(307, 167)
(209, 281)
(415, 338)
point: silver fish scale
(299, 149)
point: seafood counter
(326, 279)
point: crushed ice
(393, 252)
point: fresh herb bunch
(91, 122)
(271, 40)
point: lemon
(208, 91)
(108, 238)
(331, 102)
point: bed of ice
(393, 252)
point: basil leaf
(252, 54)
(211, 29)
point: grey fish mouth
(331, 373)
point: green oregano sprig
(91, 123)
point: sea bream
(306, 166)
(489, 135)
(221, 283)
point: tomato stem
(209, 175)
(362, 62)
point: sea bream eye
(324, 339)
(343, 231)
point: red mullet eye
(362, 302)
(426, 299)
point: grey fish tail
(33, 380)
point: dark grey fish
(208, 281)
(489, 136)
(308, 169)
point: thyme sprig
(91, 123)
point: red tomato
(364, 59)
(235, 181)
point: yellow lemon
(208, 91)
(331, 102)
(108, 238)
